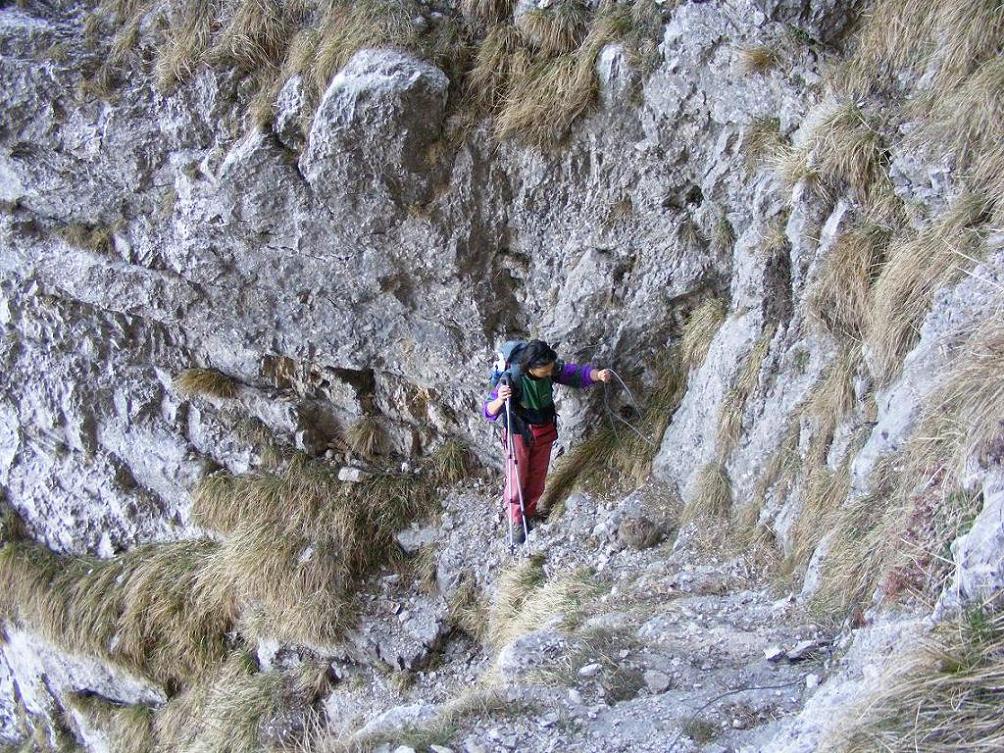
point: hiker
(533, 369)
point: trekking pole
(508, 481)
(515, 472)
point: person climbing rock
(532, 369)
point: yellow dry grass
(782, 468)
(712, 498)
(487, 12)
(848, 151)
(188, 36)
(366, 437)
(758, 59)
(943, 696)
(503, 58)
(197, 381)
(841, 294)
(540, 105)
(256, 33)
(762, 143)
(348, 27)
(145, 610)
(731, 413)
(917, 265)
(228, 709)
(557, 29)
(966, 122)
(526, 599)
(128, 729)
(700, 330)
(294, 548)
(93, 237)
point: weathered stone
(370, 136)
(657, 682)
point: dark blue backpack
(506, 357)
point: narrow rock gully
(613, 629)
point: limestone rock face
(370, 142)
(356, 264)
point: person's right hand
(505, 391)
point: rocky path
(671, 647)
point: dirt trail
(672, 647)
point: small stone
(657, 682)
(803, 650)
(352, 475)
(575, 696)
(440, 749)
(404, 749)
(774, 653)
(550, 719)
(812, 681)
(590, 670)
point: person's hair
(536, 353)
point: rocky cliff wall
(346, 270)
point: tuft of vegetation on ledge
(533, 75)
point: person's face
(539, 372)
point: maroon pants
(530, 471)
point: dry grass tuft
(762, 143)
(967, 121)
(901, 39)
(700, 330)
(557, 29)
(503, 58)
(723, 235)
(295, 547)
(552, 94)
(893, 39)
(453, 461)
(12, 527)
(541, 104)
(759, 59)
(895, 535)
(97, 238)
(962, 419)
(526, 599)
(747, 532)
(968, 33)
(917, 266)
(487, 12)
(944, 697)
(830, 402)
(848, 151)
(731, 416)
(824, 493)
(713, 496)
(145, 610)
(298, 543)
(348, 27)
(210, 382)
(257, 33)
(841, 294)
(467, 612)
(129, 729)
(228, 710)
(188, 35)
(366, 437)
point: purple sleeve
(484, 405)
(574, 375)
